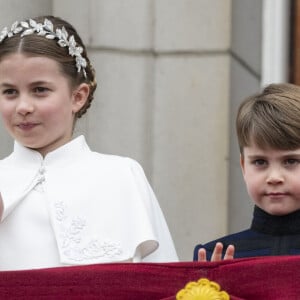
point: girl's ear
(80, 96)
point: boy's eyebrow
(287, 155)
(292, 155)
(255, 155)
(4, 84)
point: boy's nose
(275, 176)
(24, 106)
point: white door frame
(275, 41)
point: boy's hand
(217, 253)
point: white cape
(76, 206)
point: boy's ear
(80, 96)
(242, 163)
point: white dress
(76, 207)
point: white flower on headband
(48, 32)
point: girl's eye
(9, 92)
(40, 89)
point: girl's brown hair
(37, 45)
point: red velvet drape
(275, 278)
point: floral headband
(47, 31)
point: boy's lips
(276, 195)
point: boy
(268, 132)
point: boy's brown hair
(270, 119)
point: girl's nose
(24, 106)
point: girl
(61, 203)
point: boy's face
(272, 178)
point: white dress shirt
(75, 207)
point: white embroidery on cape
(71, 239)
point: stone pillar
(192, 39)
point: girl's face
(37, 103)
(272, 178)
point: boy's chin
(280, 211)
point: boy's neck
(275, 225)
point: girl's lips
(27, 126)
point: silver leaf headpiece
(46, 30)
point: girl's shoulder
(7, 160)
(113, 160)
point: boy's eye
(259, 162)
(291, 161)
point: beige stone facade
(171, 74)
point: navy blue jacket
(268, 235)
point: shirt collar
(62, 155)
(275, 225)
